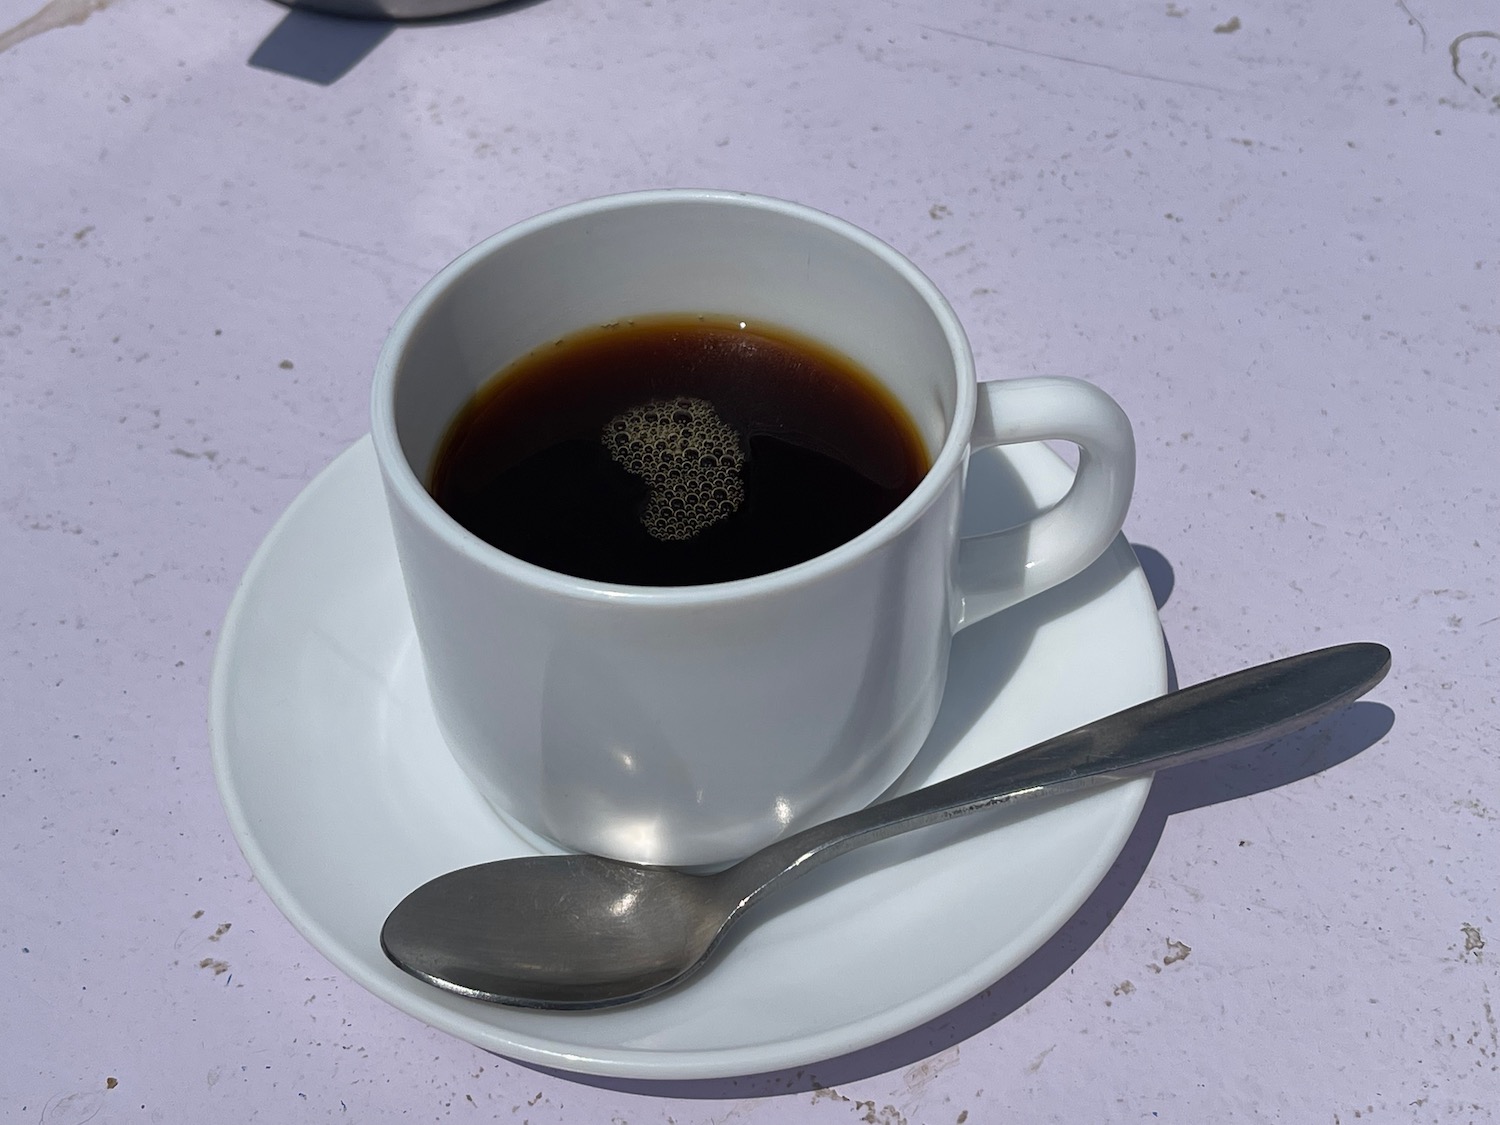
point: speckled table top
(1268, 230)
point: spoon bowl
(630, 930)
(579, 931)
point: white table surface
(1268, 229)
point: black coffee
(677, 451)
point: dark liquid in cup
(677, 451)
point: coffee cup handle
(1001, 568)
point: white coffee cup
(691, 725)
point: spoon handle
(1215, 717)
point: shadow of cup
(320, 41)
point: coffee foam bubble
(689, 456)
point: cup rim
(405, 486)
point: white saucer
(344, 798)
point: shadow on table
(1158, 571)
(1253, 770)
(321, 48)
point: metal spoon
(578, 931)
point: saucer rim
(557, 1052)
